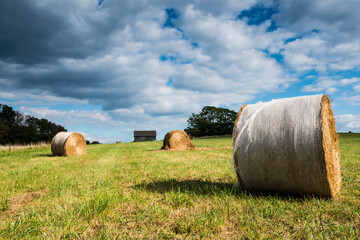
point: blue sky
(107, 68)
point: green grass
(128, 190)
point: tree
(7, 121)
(7, 114)
(211, 121)
(4, 132)
(16, 128)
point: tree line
(211, 121)
(16, 128)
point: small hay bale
(177, 140)
(68, 144)
(288, 145)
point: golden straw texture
(68, 144)
(177, 140)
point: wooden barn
(140, 136)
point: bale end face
(330, 145)
(177, 140)
(68, 144)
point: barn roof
(151, 133)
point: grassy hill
(130, 190)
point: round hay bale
(288, 145)
(177, 140)
(68, 144)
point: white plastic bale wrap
(288, 145)
(68, 144)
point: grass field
(128, 190)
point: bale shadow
(211, 188)
(46, 155)
(191, 149)
(199, 187)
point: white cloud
(32, 98)
(7, 95)
(327, 35)
(72, 117)
(331, 90)
(348, 121)
(329, 85)
(317, 52)
(352, 100)
(357, 88)
(234, 59)
(320, 85)
(91, 138)
(129, 72)
(347, 81)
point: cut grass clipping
(288, 145)
(68, 144)
(177, 140)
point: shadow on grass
(46, 155)
(210, 188)
(200, 187)
(190, 150)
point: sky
(105, 68)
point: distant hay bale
(177, 140)
(288, 145)
(68, 144)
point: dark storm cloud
(88, 84)
(27, 32)
(36, 37)
(33, 32)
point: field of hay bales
(132, 190)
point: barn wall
(143, 139)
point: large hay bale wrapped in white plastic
(68, 144)
(288, 145)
